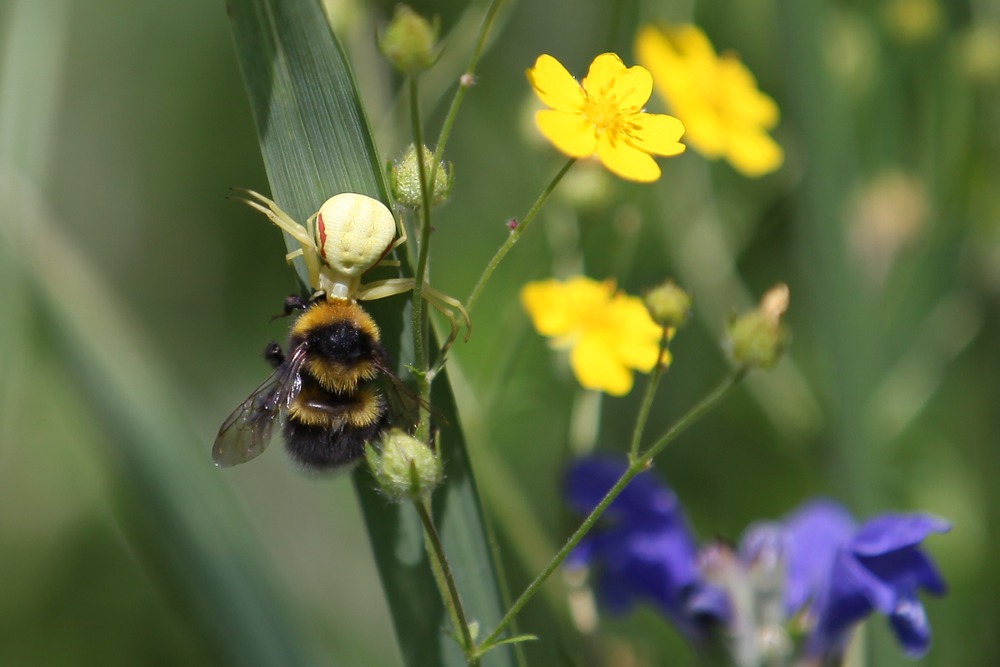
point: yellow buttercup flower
(609, 333)
(603, 116)
(716, 97)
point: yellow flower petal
(759, 110)
(715, 97)
(690, 42)
(571, 133)
(656, 133)
(628, 162)
(602, 74)
(742, 98)
(707, 133)
(754, 153)
(655, 52)
(554, 85)
(596, 367)
(610, 333)
(603, 115)
(559, 308)
(636, 338)
(631, 89)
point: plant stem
(695, 413)
(635, 467)
(647, 399)
(560, 556)
(449, 591)
(420, 271)
(456, 101)
(515, 234)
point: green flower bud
(668, 304)
(404, 179)
(404, 467)
(409, 42)
(758, 338)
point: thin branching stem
(515, 234)
(694, 414)
(445, 578)
(449, 590)
(463, 86)
(647, 399)
(635, 467)
(420, 273)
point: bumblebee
(326, 386)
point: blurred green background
(136, 300)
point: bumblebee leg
(292, 303)
(295, 302)
(274, 355)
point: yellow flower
(716, 97)
(913, 20)
(609, 333)
(603, 116)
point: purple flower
(881, 568)
(814, 534)
(817, 563)
(643, 550)
(842, 573)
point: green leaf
(316, 141)
(181, 523)
(517, 640)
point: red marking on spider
(322, 237)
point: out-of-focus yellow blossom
(979, 53)
(912, 21)
(886, 215)
(603, 116)
(851, 51)
(609, 333)
(716, 97)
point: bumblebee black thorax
(343, 343)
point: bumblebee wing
(404, 402)
(247, 431)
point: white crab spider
(349, 235)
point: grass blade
(316, 141)
(189, 534)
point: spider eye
(352, 232)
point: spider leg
(281, 219)
(443, 303)
(307, 247)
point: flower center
(604, 113)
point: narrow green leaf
(517, 640)
(316, 142)
(191, 536)
(188, 532)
